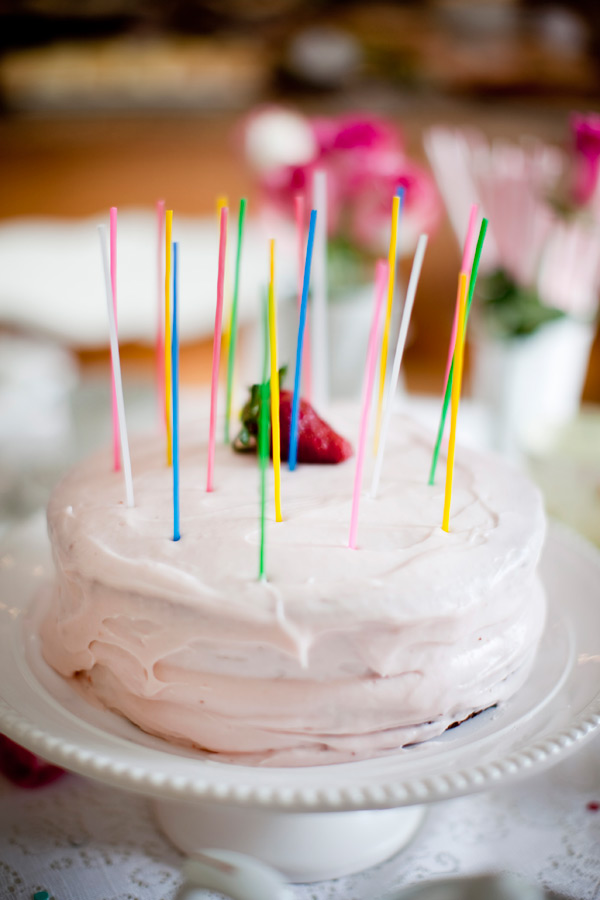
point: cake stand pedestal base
(302, 846)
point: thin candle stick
(293, 450)
(116, 368)
(113, 282)
(263, 446)
(445, 404)
(222, 200)
(232, 327)
(317, 376)
(456, 386)
(299, 205)
(175, 401)
(299, 213)
(168, 361)
(160, 326)
(465, 267)
(413, 283)
(392, 254)
(468, 248)
(274, 386)
(381, 275)
(214, 385)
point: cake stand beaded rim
(429, 789)
(149, 779)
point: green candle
(263, 440)
(448, 393)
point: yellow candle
(388, 316)
(222, 200)
(274, 387)
(459, 348)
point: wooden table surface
(71, 166)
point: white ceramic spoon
(234, 874)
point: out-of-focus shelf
(66, 166)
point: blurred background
(124, 103)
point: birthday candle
(406, 314)
(306, 362)
(319, 373)
(293, 451)
(116, 369)
(263, 445)
(160, 336)
(468, 249)
(381, 274)
(168, 399)
(456, 386)
(113, 282)
(274, 386)
(214, 386)
(175, 401)
(465, 267)
(396, 209)
(223, 200)
(232, 327)
(445, 404)
(299, 213)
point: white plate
(52, 276)
(555, 712)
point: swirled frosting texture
(341, 654)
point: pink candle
(467, 261)
(299, 211)
(381, 278)
(160, 300)
(113, 282)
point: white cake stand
(317, 822)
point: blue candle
(175, 400)
(296, 400)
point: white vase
(531, 383)
(349, 322)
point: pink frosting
(341, 654)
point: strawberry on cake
(317, 440)
(340, 654)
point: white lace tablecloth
(80, 840)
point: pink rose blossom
(586, 137)
(280, 186)
(355, 133)
(324, 131)
(370, 225)
(367, 133)
(364, 160)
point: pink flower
(352, 149)
(586, 137)
(364, 160)
(371, 220)
(23, 768)
(280, 186)
(355, 133)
